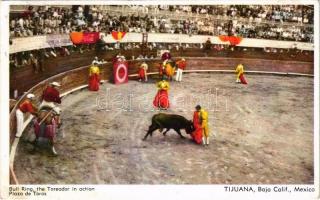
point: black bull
(169, 121)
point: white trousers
(20, 121)
(205, 140)
(55, 108)
(179, 74)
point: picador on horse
(167, 67)
(48, 120)
(47, 117)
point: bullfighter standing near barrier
(25, 107)
(50, 98)
(240, 74)
(94, 77)
(142, 74)
(181, 65)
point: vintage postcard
(159, 99)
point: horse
(45, 127)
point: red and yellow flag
(118, 35)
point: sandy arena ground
(262, 133)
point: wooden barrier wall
(254, 60)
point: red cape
(94, 81)
(161, 100)
(197, 133)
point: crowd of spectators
(240, 20)
(302, 14)
(271, 31)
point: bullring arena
(248, 146)
(261, 133)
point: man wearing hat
(51, 97)
(25, 106)
(166, 55)
(181, 66)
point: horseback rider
(50, 99)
